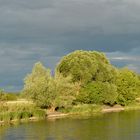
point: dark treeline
(81, 77)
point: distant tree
(127, 85)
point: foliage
(48, 91)
(37, 85)
(127, 86)
(7, 96)
(61, 91)
(86, 66)
(9, 112)
(98, 93)
(81, 77)
(83, 109)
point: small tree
(37, 85)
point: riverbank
(28, 114)
(89, 110)
(15, 112)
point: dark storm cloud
(45, 30)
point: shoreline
(103, 110)
(55, 115)
(109, 110)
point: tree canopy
(81, 77)
(128, 86)
(86, 66)
(48, 91)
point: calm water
(112, 126)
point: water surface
(111, 126)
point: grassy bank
(84, 109)
(134, 106)
(12, 113)
(89, 110)
(24, 112)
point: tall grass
(18, 112)
(83, 109)
(8, 97)
(133, 106)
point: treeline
(81, 77)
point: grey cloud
(104, 24)
(65, 16)
(45, 30)
(17, 61)
(126, 59)
(26, 4)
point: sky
(46, 30)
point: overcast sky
(45, 30)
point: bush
(98, 93)
(7, 97)
(62, 91)
(39, 113)
(127, 86)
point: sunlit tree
(127, 85)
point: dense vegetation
(82, 77)
(4, 96)
(16, 112)
(83, 81)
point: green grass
(83, 109)
(133, 106)
(18, 112)
(8, 97)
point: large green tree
(87, 66)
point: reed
(18, 112)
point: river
(109, 126)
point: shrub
(39, 113)
(98, 93)
(7, 96)
(127, 86)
